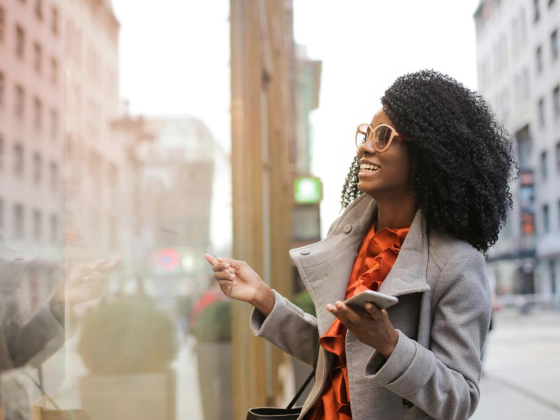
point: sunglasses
(382, 136)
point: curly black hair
(461, 159)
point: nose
(366, 149)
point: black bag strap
(301, 389)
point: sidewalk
(522, 368)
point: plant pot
(137, 396)
(215, 378)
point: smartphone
(381, 300)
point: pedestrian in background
(425, 198)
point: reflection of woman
(426, 192)
(31, 342)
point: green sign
(308, 190)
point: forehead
(380, 118)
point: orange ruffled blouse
(375, 259)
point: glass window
(536, 9)
(2, 152)
(54, 175)
(556, 101)
(54, 20)
(37, 168)
(20, 101)
(20, 42)
(54, 71)
(544, 166)
(539, 60)
(54, 124)
(38, 59)
(558, 157)
(19, 222)
(18, 160)
(2, 87)
(54, 228)
(38, 109)
(2, 23)
(546, 220)
(37, 225)
(39, 9)
(542, 112)
(554, 44)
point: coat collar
(325, 273)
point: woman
(425, 197)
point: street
(522, 368)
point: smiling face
(383, 175)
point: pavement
(521, 378)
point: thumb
(238, 265)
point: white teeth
(368, 167)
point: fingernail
(369, 306)
(227, 265)
(234, 283)
(232, 276)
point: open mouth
(366, 168)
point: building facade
(32, 98)
(518, 56)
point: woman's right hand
(239, 281)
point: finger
(224, 275)
(350, 314)
(336, 311)
(107, 268)
(221, 267)
(96, 277)
(211, 260)
(234, 263)
(226, 283)
(373, 311)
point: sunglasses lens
(381, 137)
(362, 134)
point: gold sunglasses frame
(394, 134)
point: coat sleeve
(443, 381)
(289, 328)
(35, 340)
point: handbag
(288, 413)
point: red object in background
(207, 298)
(167, 259)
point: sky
(175, 61)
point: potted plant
(128, 347)
(213, 333)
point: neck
(395, 213)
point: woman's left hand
(374, 329)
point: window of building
(18, 160)
(54, 71)
(38, 57)
(54, 124)
(54, 20)
(556, 101)
(558, 212)
(1, 213)
(20, 42)
(2, 152)
(2, 87)
(39, 9)
(542, 112)
(54, 229)
(539, 60)
(37, 168)
(546, 220)
(20, 101)
(38, 110)
(19, 221)
(554, 44)
(550, 2)
(558, 157)
(552, 270)
(544, 166)
(536, 10)
(2, 23)
(37, 225)
(54, 176)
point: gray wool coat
(442, 319)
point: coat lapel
(326, 265)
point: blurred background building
(518, 56)
(32, 105)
